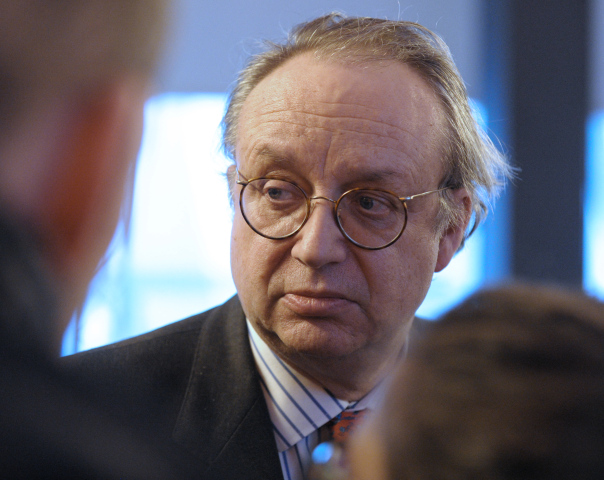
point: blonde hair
(470, 158)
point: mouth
(316, 304)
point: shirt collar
(296, 404)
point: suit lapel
(223, 418)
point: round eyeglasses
(371, 218)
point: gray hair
(49, 46)
(471, 159)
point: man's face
(330, 127)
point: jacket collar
(223, 417)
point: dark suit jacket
(202, 389)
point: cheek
(420, 250)
(246, 268)
(400, 278)
(244, 258)
(254, 261)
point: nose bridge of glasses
(319, 197)
(313, 201)
(325, 217)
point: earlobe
(231, 174)
(453, 236)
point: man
(74, 77)
(357, 167)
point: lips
(316, 304)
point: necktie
(341, 426)
(329, 457)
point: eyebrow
(359, 175)
(390, 179)
(267, 154)
(374, 176)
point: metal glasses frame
(245, 182)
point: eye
(368, 202)
(280, 191)
(274, 193)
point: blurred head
(350, 104)
(508, 385)
(53, 48)
(73, 80)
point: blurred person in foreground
(357, 166)
(509, 385)
(74, 76)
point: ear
(453, 236)
(231, 175)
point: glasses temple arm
(238, 180)
(412, 197)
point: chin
(318, 338)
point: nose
(320, 241)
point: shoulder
(174, 341)
(54, 427)
(156, 365)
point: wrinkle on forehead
(265, 158)
(391, 129)
(381, 134)
(293, 103)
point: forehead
(336, 120)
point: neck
(350, 377)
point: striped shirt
(298, 407)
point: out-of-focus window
(175, 261)
(593, 267)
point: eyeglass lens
(371, 218)
(277, 208)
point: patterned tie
(341, 426)
(329, 457)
